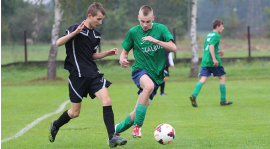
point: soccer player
(148, 41)
(81, 42)
(211, 64)
(168, 62)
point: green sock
(126, 124)
(140, 114)
(197, 89)
(222, 89)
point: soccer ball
(164, 134)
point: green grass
(232, 48)
(244, 124)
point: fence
(249, 47)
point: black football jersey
(80, 49)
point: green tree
(114, 25)
(18, 16)
(8, 11)
(5, 33)
(23, 21)
(234, 25)
(267, 16)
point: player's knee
(74, 114)
(107, 102)
(203, 81)
(149, 88)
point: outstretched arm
(111, 52)
(123, 59)
(169, 46)
(66, 38)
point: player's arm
(111, 52)
(123, 59)
(221, 53)
(171, 60)
(212, 52)
(66, 38)
(169, 46)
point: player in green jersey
(211, 64)
(148, 41)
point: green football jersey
(213, 38)
(148, 56)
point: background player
(211, 64)
(168, 62)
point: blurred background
(36, 19)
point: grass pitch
(244, 124)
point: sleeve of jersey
(214, 40)
(167, 36)
(95, 49)
(71, 29)
(128, 41)
(170, 59)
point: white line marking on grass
(62, 106)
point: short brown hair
(146, 10)
(94, 8)
(216, 23)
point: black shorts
(79, 87)
(166, 71)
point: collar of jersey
(149, 29)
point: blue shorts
(136, 75)
(208, 71)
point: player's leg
(108, 117)
(127, 123)
(205, 73)
(162, 87)
(196, 91)
(63, 119)
(199, 85)
(147, 86)
(222, 89)
(76, 98)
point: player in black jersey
(168, 62)
(81, 42)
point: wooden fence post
(25, 48)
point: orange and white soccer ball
(164, 134)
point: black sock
(108, 118)
(63, 119)
(162, 86)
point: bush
(5, 33)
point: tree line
(37, 20)
(121, 15)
